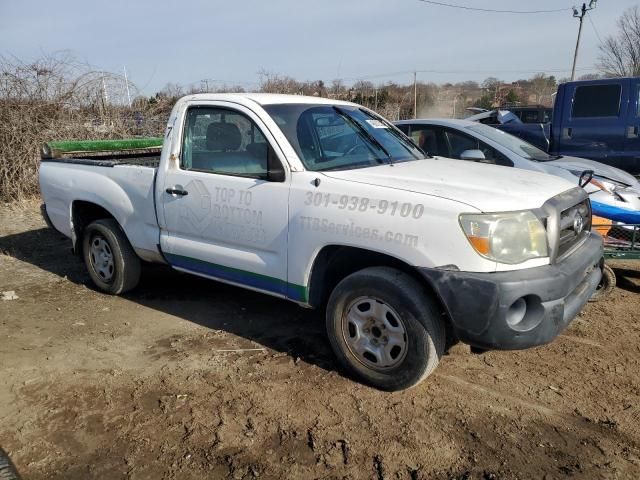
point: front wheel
(111, 262)
(384, 328)
(606, 286)
(7, 468)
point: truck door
(632, 140)
(224, 216)
(593, 123)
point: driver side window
(225, 142)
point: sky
(378, 40)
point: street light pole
(579, 14)
(415, 94)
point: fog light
(516, 312)
(525, 313)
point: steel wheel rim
(374, 333)
(101, 258)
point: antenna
(104, 90)
(126, 81)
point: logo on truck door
(225, 213)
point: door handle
(176, 191)
(567, 132)
(632, 131)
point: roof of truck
(264, 98)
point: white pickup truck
(325, 203)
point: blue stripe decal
(617, 214)
(242, 277)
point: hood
(599, 169)
(488, 188)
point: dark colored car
(531, 113)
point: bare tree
(620, 53)
(543, 87)
(172, 90)
(492, 84)
(337, 88)
(55, 97)
(275, 83)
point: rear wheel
(384, 329)
(111, 262)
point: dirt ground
(186, 378)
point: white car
(325, 203)
(613, 192)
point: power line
(489, 10)
(594, 28)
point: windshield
(513, 143)
(341, 137)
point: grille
(575, 225)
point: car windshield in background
(341, 137)
(513, 143)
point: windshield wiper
(363, 132)
(401, 140)
(342, 167)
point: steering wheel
(355, 148)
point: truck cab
(599, 120)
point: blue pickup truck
(595, 119)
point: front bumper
(521, 308)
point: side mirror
(275, 171)
(473, 155)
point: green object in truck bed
(93, 148)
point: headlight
(608, 186)
(600, 183)
(506, 237)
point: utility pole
(579, 14)
(415, 95)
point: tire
(110, 260)
(7, 469)
(384, 329)
(606, 285)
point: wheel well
(82, 214)
(335, 262)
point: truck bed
(121, 183)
